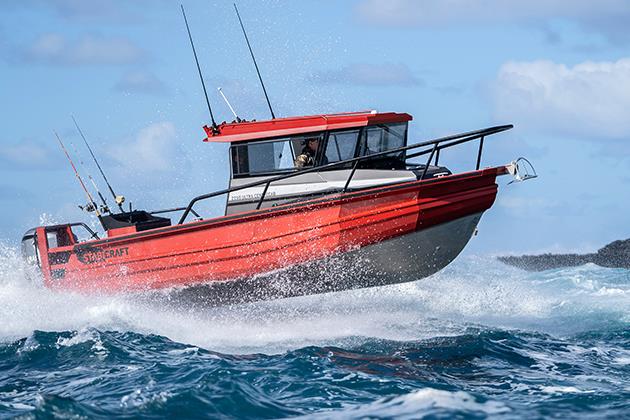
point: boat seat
(138, 218)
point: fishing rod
(255, 64)
(203, 85)
(119, 199)
(91, 204)
(104, 208)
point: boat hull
(382, 235)
(398, 260)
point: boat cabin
(265, 149)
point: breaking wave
(477, 339)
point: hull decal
(92, 255)
(60, 257)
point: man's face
(313, 144)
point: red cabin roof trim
(258, 130)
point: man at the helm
(309, 152)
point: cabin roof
(254, 130)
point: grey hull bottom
(401, 259)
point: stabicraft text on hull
(315, 204)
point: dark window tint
(240, 160)
(381, 138)
(58, 237)
(310, 147)
(341, 145)
(273, 156)
(264, 157)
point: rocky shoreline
(614, 255)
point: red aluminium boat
(355, 212)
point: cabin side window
(240, 160)
(265, 157)
(261, 157)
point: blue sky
(558, 70)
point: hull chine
(398, 260)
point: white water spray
(471, 292)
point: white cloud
(25, 155)
(364, 74)
(590, 99)
(441, 12)
(81, 9)
(13, 193)
(526, 204)
(140, 81)
(114, 11)
(55, 49)
(153, 149)
(607, 17)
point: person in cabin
(309, 153)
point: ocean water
(477, 340)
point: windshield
(29, 249)
(383, 137)
(309, 150)
(342, 145)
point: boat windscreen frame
(355, 150)
(54, 228)
(321, 152)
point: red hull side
(247, 244)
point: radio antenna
(104, 207)
(229, 105)
(91, 204)
(119, 199)
(255, 64)
(205, 92)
